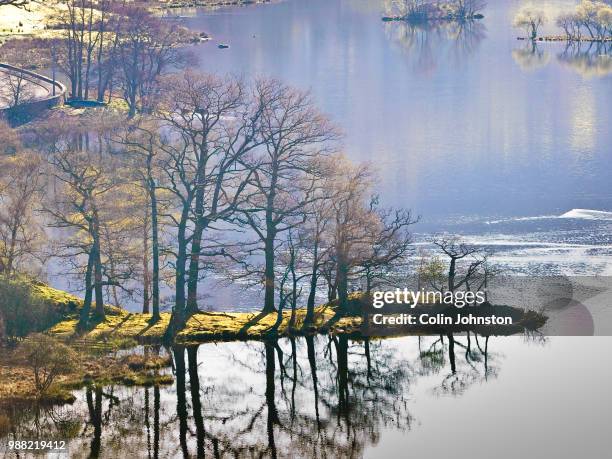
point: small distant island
(419, 11)
(588, 21)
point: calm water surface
(501, 397)
(462, 122)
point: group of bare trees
(113, 47)
(589, 20)
(21, 234)
(221, 178)
(259, 192)
(210, 177)
(431, 10)
(105, 49)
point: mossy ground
(206, 326)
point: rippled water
(324, 397)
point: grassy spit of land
(108, 353)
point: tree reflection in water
(428, 43)
(306, 397)
(589, 59)
(531, 57)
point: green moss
(207, 326)
(146, 379)
(57, 396)
(63, 301)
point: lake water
(507, 398)
(481, 134)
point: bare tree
(530, 19)
(285, 172)
(457, 250)
(315, 234)
(21, 234)
(81, 38)
(211, 126)
(389, 246)
(88, 205)
(468, 8)
(142, 142)
(367, 240)
(148, 47)
(17, 88)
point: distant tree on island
(530, 19)
(434, 10)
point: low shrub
(47, 358)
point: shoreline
(111, 352)
(563, 38)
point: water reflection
(589, 59)
(531, 56)
(429, 42)
(308, 397)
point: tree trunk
(146, 280)
(97, 265)
(451, 275)
(196, 240)
(272, 419)
(154, 248)
(86, 309)
(343, 390)
(194, 269)
(95, 418)
(180, 316)
(451, 352)
(312, 360)
(269, 273)
(342, 281)
(181, 399)
(310, 304)
(156, 408)
(194, 384)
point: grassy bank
(206, 326)
(121, 328)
